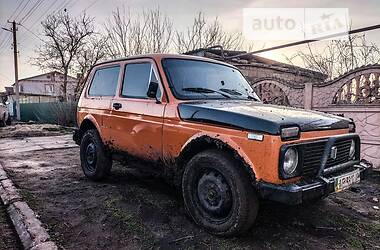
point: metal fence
(62, 113)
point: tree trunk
(64, 87)
(79, 87)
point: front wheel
(95, 160)
(218, 194)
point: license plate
(345, 181)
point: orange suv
(200, 121)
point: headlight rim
(296, 172)
(352, 155)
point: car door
(137, 121)
(98, 97)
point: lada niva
(200, 120)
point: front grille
(342, 154)
(313, 152)
(312, 157)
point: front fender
(90, 118)
(222, 141)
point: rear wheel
(96, 162)
(218, 194)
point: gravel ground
(133, 209)
(20, 130)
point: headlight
(352, 150)
(290, 161)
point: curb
(29, 229)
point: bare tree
(147, 33)
(159, 29)
(64, 36)
(92, 52)
(202, 34)
(339, 56)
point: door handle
(117, 105)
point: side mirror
(152, 91)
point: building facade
(45, 87)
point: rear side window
(137, 77)
(104, 82)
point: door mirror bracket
(152, 91)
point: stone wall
(290, 81)
(355, 95)
(367, 120)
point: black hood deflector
(256, 116)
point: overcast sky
(362, 13)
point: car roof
(158, 57)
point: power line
(46, 11)
(89, 6)
(6, 43)
(60, 7)
(22, 9)
(3, 41)
(34, 34)
(31, 11)
(14, 12)
(15, 58)
(40, 17)
(373, 27)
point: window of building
(49, 88)
(104, 82)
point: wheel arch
(87, 123)
(202, 142)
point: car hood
(256, 116)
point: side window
(137, 77)
(104, 82)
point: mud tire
(96, 162)
(244, 205)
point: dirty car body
(200, 120)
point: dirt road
(134, 210)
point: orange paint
(154, 131)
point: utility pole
(14, 30)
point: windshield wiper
(231, 91)
(205, 90)
(236, 92)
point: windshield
(192, 79)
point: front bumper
(297, 193)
